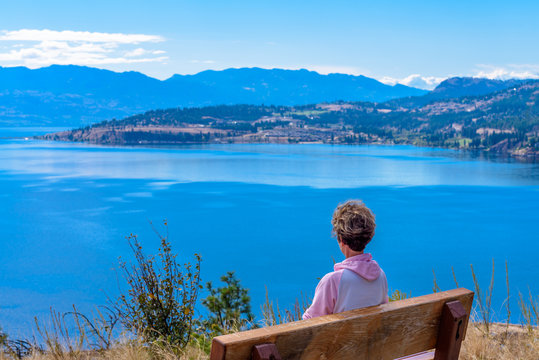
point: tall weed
(273, 315)
(484, 299)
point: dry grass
(129, 350)
(503, 342)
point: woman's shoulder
(331, 278)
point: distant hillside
(76, 95)
(506, 121)
(468, 86)
(456, 87)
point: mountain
(506, 121)
(74, 95)
(454, 88)
(289, 87)
(77, 95)
(468, 86)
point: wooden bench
(389, 331)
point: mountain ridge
(78, 95)
(470, 86)
(74, 96)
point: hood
(362, 264)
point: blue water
(261, 210)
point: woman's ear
(341, 245)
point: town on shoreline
(502, 122)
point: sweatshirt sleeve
(386, 290)
(325, 296)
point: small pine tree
(229, 307)
(3, 339)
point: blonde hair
(353, 224)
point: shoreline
(482, 154)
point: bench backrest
(381, 332)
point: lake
(262, 211)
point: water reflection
(320, 166)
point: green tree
(229, 307)
(3, 339)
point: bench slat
(427, 355)
(381, 332)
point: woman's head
(353, 224)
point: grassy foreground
(512, 342)
(157, 322)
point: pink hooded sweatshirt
(356, 282)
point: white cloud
(513, 71)
(83, 36)
(415, 80)
(136, 52)
(37, 48)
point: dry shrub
(159, 304)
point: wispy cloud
(415, 80)
(141, 52)
(35, 48)
(81, 36)
(512, 71)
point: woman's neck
(348, 253)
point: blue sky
(412, 42)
